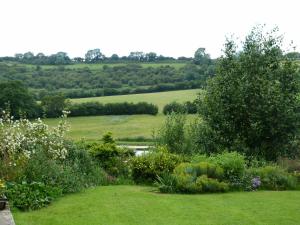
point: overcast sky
(168, 27)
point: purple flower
(255, 182)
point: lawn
(93, 127)
(136, 205)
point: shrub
(76, 172)
(173, 134)
(167, 183)
(30, 196)
(199, 169)
(123, 108)
(174, 107)
(233, 165)
(272, 178)
(206, 184)
(112, 159)
(21, 138)
(147, 167)
(193, 178)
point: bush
(30, 196)
(193, 178)
(76, 172)
(186, 107)
(233, 165)
(147, 167)
(199, 169)
(173, 134)
(124, 108)
(206, 184)
(174, 107)
(112, 159)
(273, 178)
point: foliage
(186, 107)
(193, 178)
(274, 178)
(31, 196)
(233, 164)
(112, 159)
(173, 107)
(125, 108)
(252, 104)
(16, 98)
(173, 134)
(2, 187)
(54, 105)
(147, 167)
(77, 171)
(90, 80)
(21, 138)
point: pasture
(135, 205)
(158, 98)
(93, 127)
(123, 127)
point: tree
(16, 98)
(200, 57)
(54, 105)
(252, 104)
(94, 55)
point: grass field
(93, 127)
(158, 98)
(136, 205)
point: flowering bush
(19, 139)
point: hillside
(90, 80)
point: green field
(157, 98)
(93, 127)
(136, 205)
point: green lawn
(93, 127)
(158, 98)
(136, 205)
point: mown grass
(93, 127)
(136, 205)
(157, 98)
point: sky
(168, 27)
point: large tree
(252, 104)
(16, 98)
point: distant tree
(19, 56)
(16, 98)
(151, 57)
(201, 57)
(78, 59)
(94, 55)
(252, 104)
(54, 105)
(136, 56)
(293, 55)
(114, 57)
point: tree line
(17, 99)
